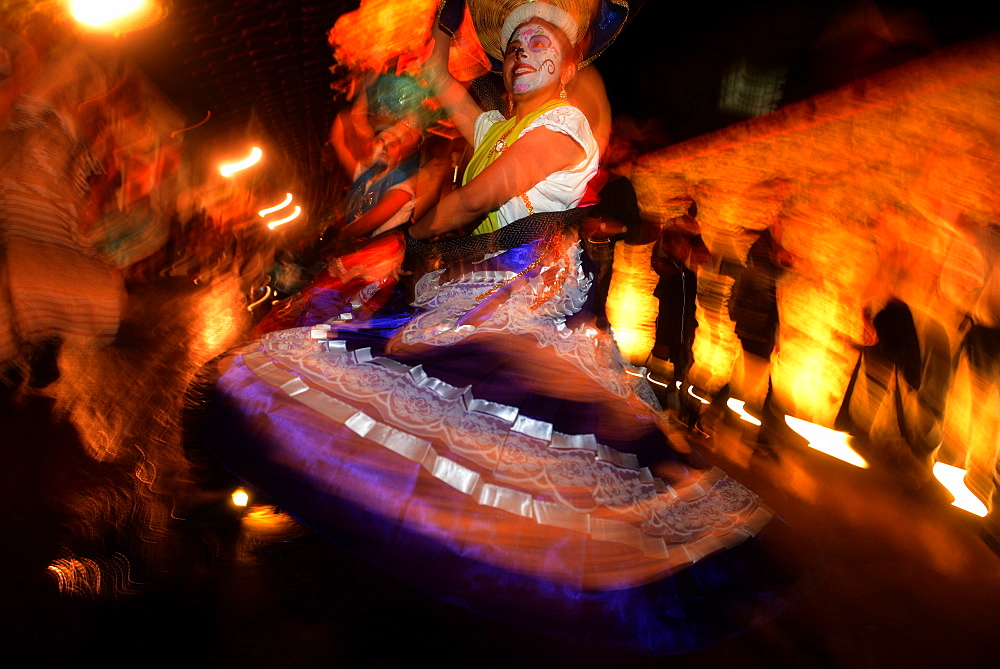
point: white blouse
(560, 190)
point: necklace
(498, 148)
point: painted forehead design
(528, 30)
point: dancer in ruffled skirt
(490, 444)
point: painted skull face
(533, 60)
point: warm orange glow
(240, 497)
(97, 12)
(631, 306)
(265, 523)
(266, 517)
(292, 217)
(716, 347)
(230, 169)
(115, 16)
(270, 210)
(880, 190)
(88, 577)
(381, 30)
(953, 479)
(828, 441)
(220, 317)
(76, 576)
(738, 406)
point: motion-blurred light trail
(828, 441)
(292, 217)
(738, 407)
(232, 168)
(270, 210)
(953, 478)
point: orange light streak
(659, 383)
(270, 210)
(254, 305)
(953, 479)
(700, 399)
(828, 441)
(232, 168)
(646, 376)
(294, 215)
(737, 406)
(208, 115)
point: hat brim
(489, 16)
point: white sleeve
(484, 122)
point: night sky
(669, 61)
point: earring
(562, 93)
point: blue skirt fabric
(489, 445)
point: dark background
(266, 64)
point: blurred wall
(883, 195)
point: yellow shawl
(493, 144)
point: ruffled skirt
(491, 446)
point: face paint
(533, 60)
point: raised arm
(351, 135)
(526, 162)
(453, 96)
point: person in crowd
(363, 255)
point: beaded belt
(473, 248)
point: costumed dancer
(495, 448)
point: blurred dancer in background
(378, 145)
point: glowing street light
(96, 13)
(240, 497)
(232, 168)
(117, 16)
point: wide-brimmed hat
(593, 23)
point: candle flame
(828, 441)
(251, 160)
(953, 479)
